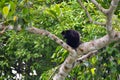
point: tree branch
(82, 49)
(88, 14)
(52, 36)
(3, 29)
(84, 57)
(113, 6)
(9, 27)
(109, 15)
(99, 6)
(93, 45)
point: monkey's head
(65, 34)
(72, 38)
(70, 34)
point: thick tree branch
(88, 14)
(67, 65)
(81, 50)
(52, 36)
(109, 15)
(84, 48)
(97, 44)
(90, 54)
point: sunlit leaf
(93, 71)
(5, 11)
(94, 60)
(15, 18)
(52, 13)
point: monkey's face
(65, 34)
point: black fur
(72, 38)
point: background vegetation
(35, 57)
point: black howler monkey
(72, 38)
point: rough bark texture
(88, 48)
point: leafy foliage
(35, 56)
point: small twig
(99, 6)
(1, 32)
(98, 23)
(56, 70)
(88, 14)
(84, 57)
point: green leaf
(93, 71)
(94, 60)
(25, 11)
(13, 7)
(5, 11)
(52, 13)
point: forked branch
(88, 14)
